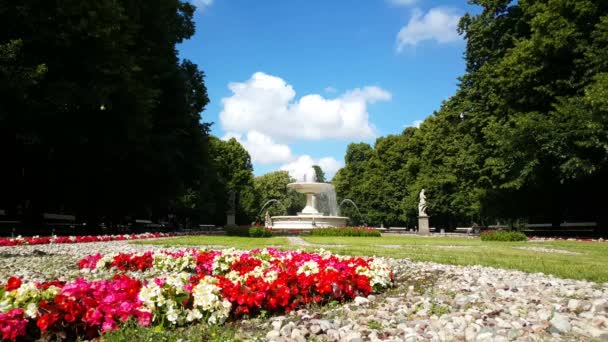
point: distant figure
(267, 220)
(231, 202)
(422, 204)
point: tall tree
(523, 138)
(233, 169)
(319, 174)
(519, 94)
(106, 121)
(273, 185)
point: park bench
(566, 228)
(468, 230)
(7, 226)
(207, 227)
(405, 230)
(61, 224)
(146, 226)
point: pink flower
(12, 324)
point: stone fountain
(309, 217)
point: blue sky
(297, 81)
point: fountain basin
(310, 217)
(310, 187)
(307, 222)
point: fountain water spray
(318, 195)
(348, 200)
(270, 201)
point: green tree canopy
(98, 116)
(234, 173)
(319, 174)
(523, 138)
(273, 185)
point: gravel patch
(549, 250)
(434, 302)
(59, 261)
(429, 302)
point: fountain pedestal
(311, 205)
(307, 222)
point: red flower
(47, 320)
(13, 284)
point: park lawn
(589, 265)
(195, 332)
(218, 242)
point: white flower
(207, 298)
(177, 281)
(25, 293)
(378, 272)
(31, 310)
(5, 305)
(151, 295)
(308, 268)
(174, 264)
(235, 277)
(172, 315)
(193, 315)
(105, 261)
(271, 276)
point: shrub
(503, 235)
(237, 231)
(345, 231)
(259, 231)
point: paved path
(297, 241)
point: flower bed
(535, 238)
(37, 240)
(173, 289)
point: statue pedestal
(230, 220)
(423, 225)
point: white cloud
(298, 168)
(438, 24)
(262, 148)
(201, 4)
(330, 166)
(415, 123)
(267, 104)
(401, 2)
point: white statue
(267, 220)
(422, 204)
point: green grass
(222, 241)
(590, 265)
(197, 332)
